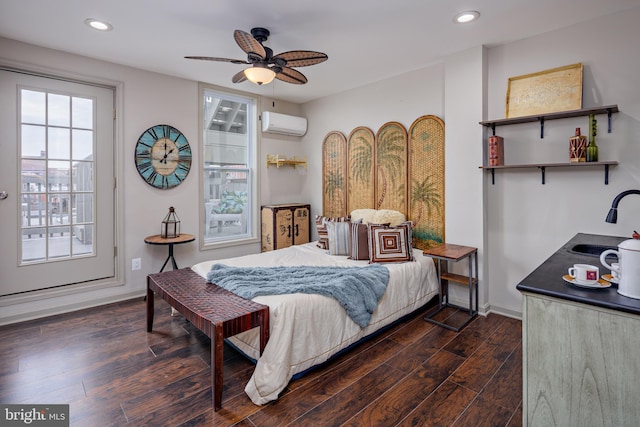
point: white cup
(585, 273)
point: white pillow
(379, 216)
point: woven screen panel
(361, 168)
(334, 172)
(391, 161)
(426, 181)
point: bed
(307, 329)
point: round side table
(158, 240)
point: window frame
(254, 135)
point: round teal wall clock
(163, 156)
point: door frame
(118, 153)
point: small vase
(577, 147)
(592, 150)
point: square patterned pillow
(339, 234)
(321, 228)
(360, 241)
(390, 244)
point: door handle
(3, 195)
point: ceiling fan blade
(249, 44)
(239, 77)
(212, 58)
(290, 75)
(300, 58)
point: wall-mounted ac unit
(283, 124)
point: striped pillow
(339, 237)
(390, 244)
(321, 228)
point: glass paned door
(58, 220)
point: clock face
(163, 156)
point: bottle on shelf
(592, 148)
(578, 147)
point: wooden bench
(217, 312)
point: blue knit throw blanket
(357, 289)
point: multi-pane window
(57, 175)
(229, 159)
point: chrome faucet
(612, 216)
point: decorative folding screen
(391, 171)
(334, 173)
(396, 169)
(361, 169)
(426, 181)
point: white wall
(528, 221)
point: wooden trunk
(285, 225)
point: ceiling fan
(265, 66)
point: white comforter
(305, 329)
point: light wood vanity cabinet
(285, 225)
(581, 364)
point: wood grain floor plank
(474, 334)
(484, 413)
(343, 405)
(480, 367)
(505, 388)
(441, 408)
(391, 407)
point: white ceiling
(366, 40)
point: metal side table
(454, 253)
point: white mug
(585, 273)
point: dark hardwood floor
(112, 372)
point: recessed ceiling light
(97, 24)
(465, 17)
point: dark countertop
(547, 278)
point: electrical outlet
(136, 264)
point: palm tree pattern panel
(391, 174)
(360, 164)
(334, 172)
(426, 181)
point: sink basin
(591, 250)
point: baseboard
(486, 309)
(505, 312)
(23, 317)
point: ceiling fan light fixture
(259, 74)
(466, 17)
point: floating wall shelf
(544, 166)
(608, 110)
(277, 161)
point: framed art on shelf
(549, 91)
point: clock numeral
(141, 142)
(143, 166)
(165, 182)
(152, 132)
(183, 166)
(179, 136)
(152, 177)
(166, 130)
(185, 148)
